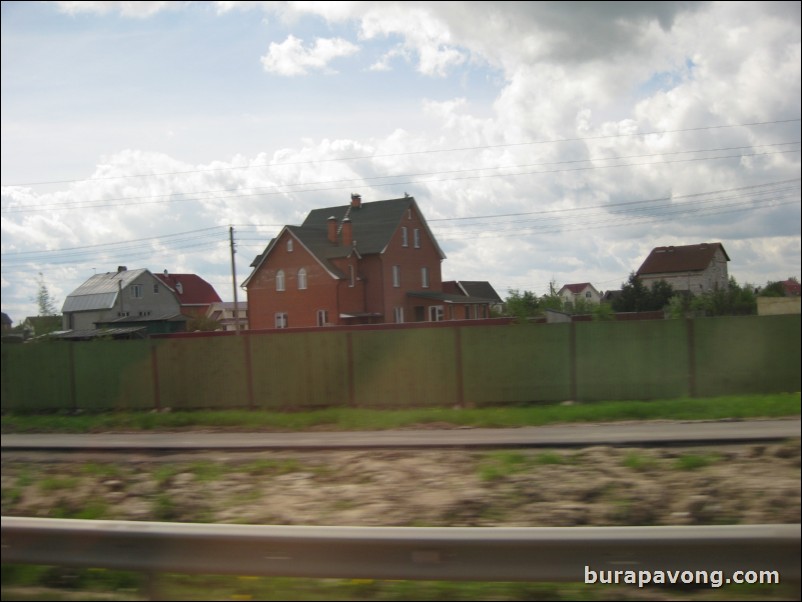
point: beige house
(694, 268)
(582, 292)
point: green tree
(773, 289)
(603, 312)
(551, 300)
(660, 295)
(734, 300)
(522, 305)
(45, 302)
(636, 296)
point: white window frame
(136, 291)
(424, 277)
(322, 317)
(351, 276)
(397, 276)
(436, 313)
(289, 245)
(416, 236)
(404, 236)
(281, 319)
(398, 315)
(280, 281)
(302, 281)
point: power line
(612, 214)
(408, 153)
(358, 181)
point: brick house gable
(362, 263)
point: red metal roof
(688, 258)
(193, 289)
(577, 288)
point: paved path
(575, 435)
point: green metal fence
(431, 365)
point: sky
(544, 142)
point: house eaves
(450, 298)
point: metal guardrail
(477, 554)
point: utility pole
(234, 278)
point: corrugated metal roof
(100, 291)
(89, 302)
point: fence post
(154, 364)
(246, 341)
(73, 378)
(349, 344)
(690, 336)
(572, 369)
(459, 369)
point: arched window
(280, 280)
(301, 279)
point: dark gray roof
(449, 297)
(480, 288)
(373, 225)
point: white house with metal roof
(123, 296)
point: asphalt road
(659, 433)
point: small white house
(583, 292)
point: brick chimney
(356, 201)
(332, 224)
(348, 233)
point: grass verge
(356, 419)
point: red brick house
(361, 263)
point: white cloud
(135, 9)
(291, 57)
(569, 89)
